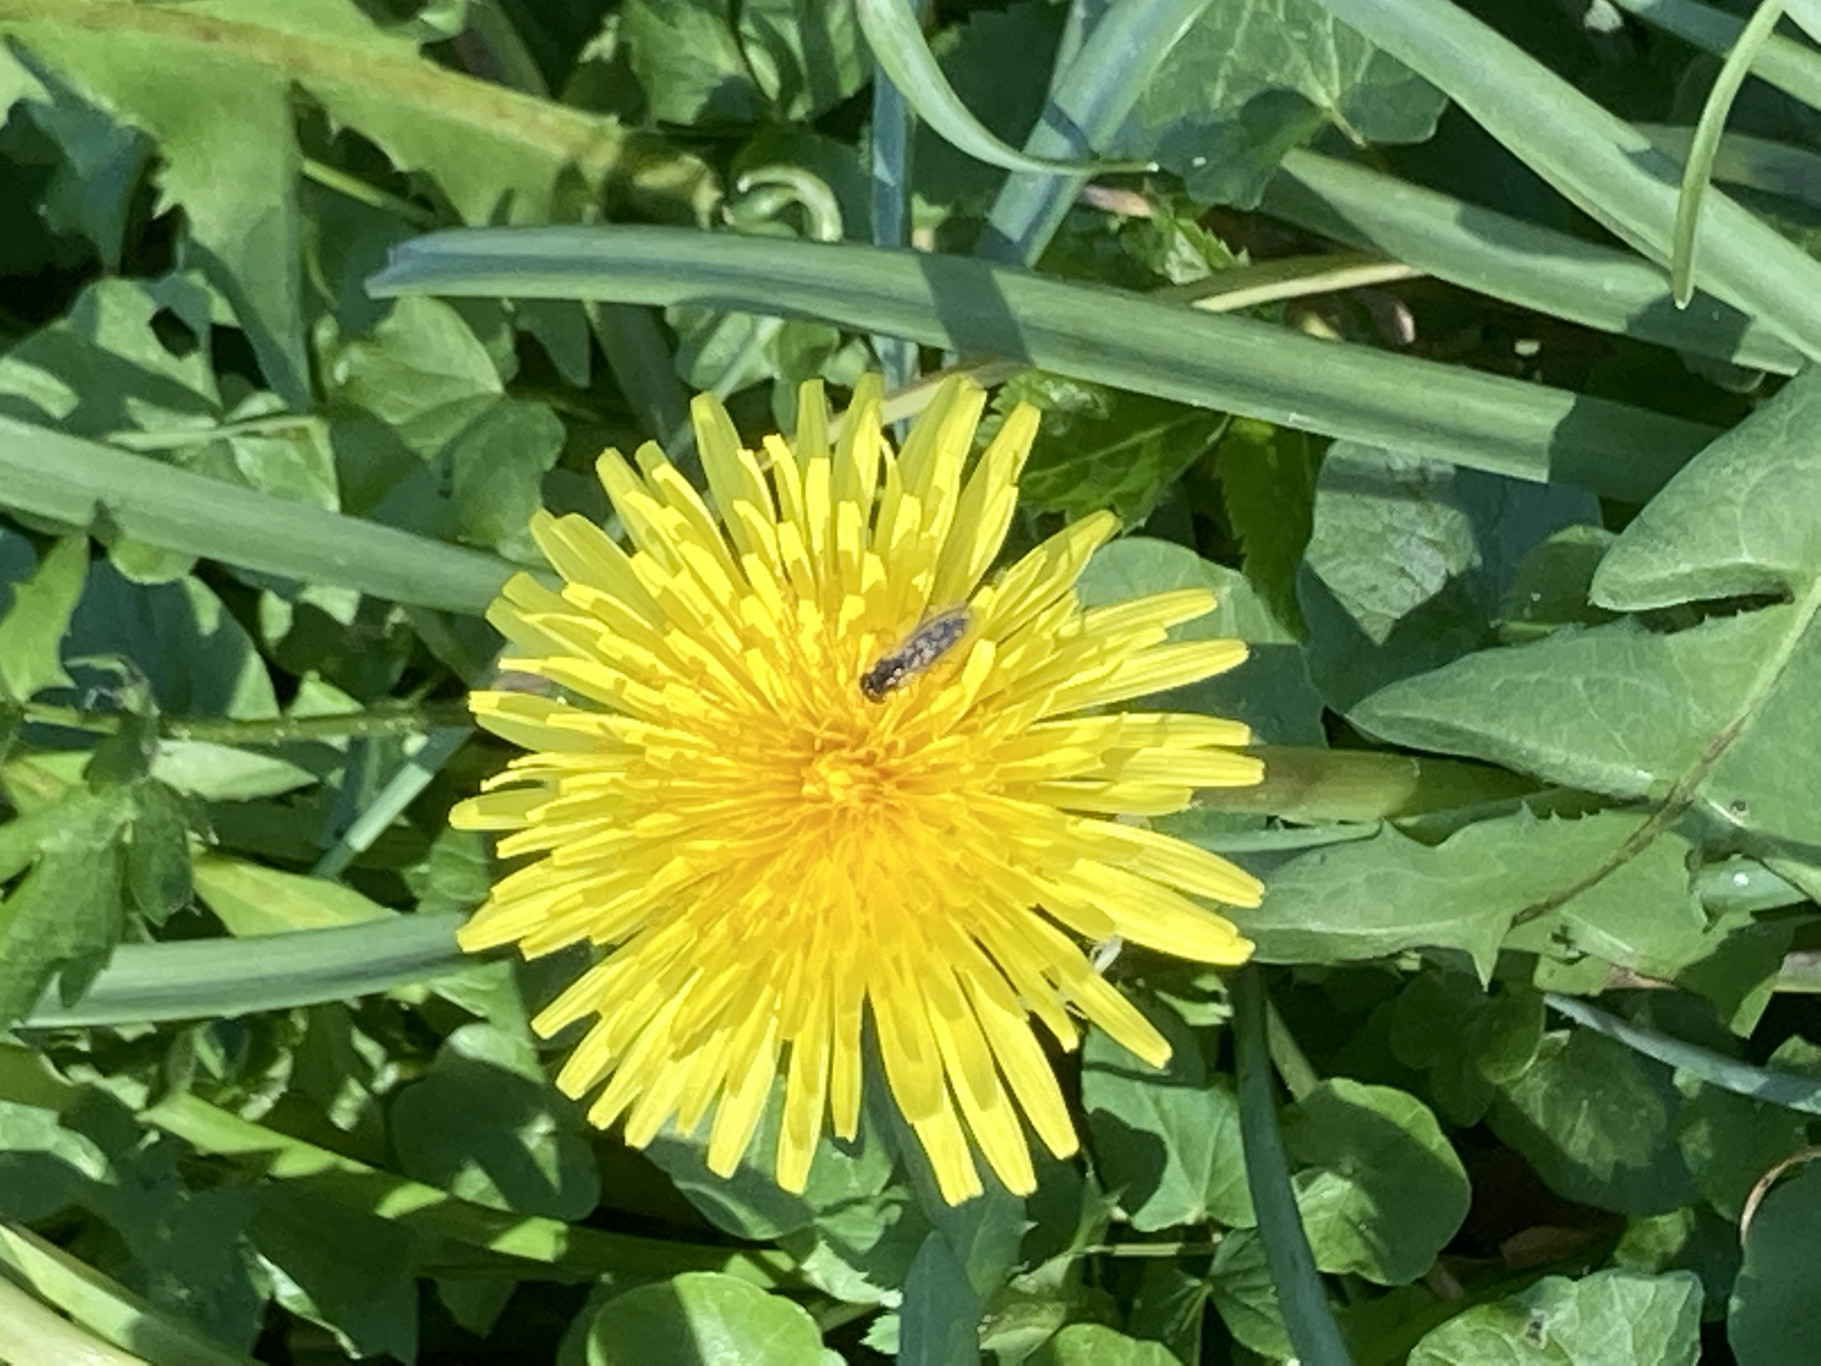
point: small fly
(920, 651)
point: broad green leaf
(702, 1316)
(1407, 560)
(938, 1324)
(1467, 1040)
(1611, 1318)
(1381, 1192)
(1769, 1322)
(1250, 80)
(1270, 691)
(1720, 713)
(222, 773)
(1239, 1283)
(1737, 522)
(689, 60)
(421, 370)
(806, 55)
(1373, 897)
(1597, 1122)
(1731, 1142)
(1094, 1344)
(347, 1270)
(32, 626)
(456, 875)
(180, 637)
(484, 1124)
(1100, 448)
(1167, 1142)
(232, 161)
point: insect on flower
(920, 650)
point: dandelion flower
(810, 768)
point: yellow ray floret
(776, 863)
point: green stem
(1300, 1294)
(1315, 786)
(379, 722)
(1293, 1065)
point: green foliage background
(1358, 311)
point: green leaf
(1249, 81)
(251, 899)
(938, 1324)
(1365, 899)
(1166, 1142)
(1100, 448)
(158, 853)
(180, 637)
(33, 627)
(1769, 1321)
(1269, 692)
(222, 773)
(1407, 560)
(703, 1316)
(807, 56)
(1552, 586)
(64, 916)
(1267, 485)
(1386, 1193)
(1239, 1284)
(1596, 1121)
(1611, 1318)
(1731, 1141)
(1446, 1023)
(484, 1124)
(348, 1270)
(688, 58)
(1094, 1344)
(496, 469)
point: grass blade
(1699, 168)
(1313, 1332)
(1088, 332)
(1598, 161)
(48, 474)
(1716, 1069)
(199, 979)
(1509, 259)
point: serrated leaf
(33, 627)
(703, 1316)
(1597, 1122)
(1252, 79)
(1720, 714)
(64, 916)
(1382, 1192)
(1611, 1318)
(158, 853)
(1365, 899)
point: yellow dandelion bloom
(812, 767)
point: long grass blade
(1599, 162)
(1699, 168)
(1089, 332)
(85, 484)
